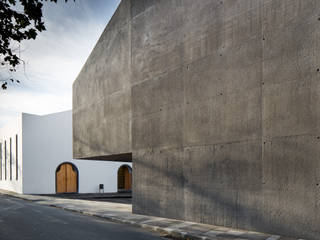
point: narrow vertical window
(10, 159)
(0, 161)
(5, 160)
(17, 169)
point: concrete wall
(11, 130)
(47, 142)
(102, 93)
(224, 110)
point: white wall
(92, 173)
(47, 142)
(10, 131)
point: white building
(36, 158)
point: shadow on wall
(174, 189)
(97, 148)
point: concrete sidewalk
(121, 213)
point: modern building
(36, 158)
(216, 103)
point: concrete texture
(102, 93)
(224, 99)
(121, 213)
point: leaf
(16, 25)
(4, 86)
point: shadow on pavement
(125, 197)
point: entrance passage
(124, 178)
(67, 178)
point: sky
(55, 58)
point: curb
(178, 235)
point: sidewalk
(124, 197)
(121, 213)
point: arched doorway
(66, 178)
(124, 178)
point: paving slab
(122, 213)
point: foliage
(19, 20)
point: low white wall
(10, 131)
(47, 142)
(93, 173)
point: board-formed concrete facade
(219, 103)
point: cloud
(54, 59)
(33, 102)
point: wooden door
(61, 178)
(66, 178)
(71, 179)
(124, 178)
(127, 179)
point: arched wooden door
(124, 178)
(67, 178)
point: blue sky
(55, 58)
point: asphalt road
(23, 220)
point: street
(23, 220)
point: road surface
(23, 220)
